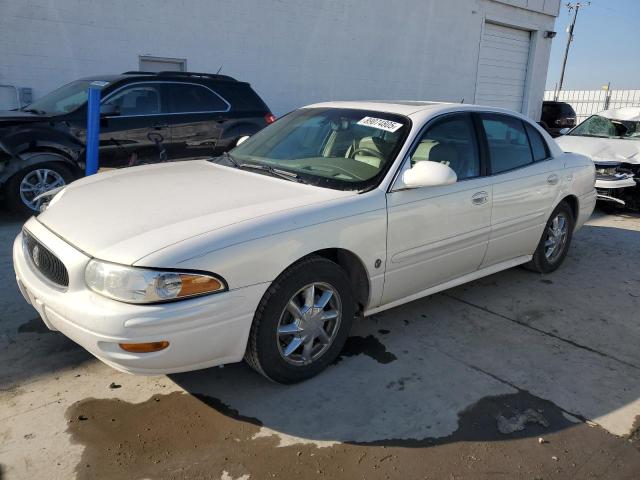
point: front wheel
(302, 322)
(555, 241)
(25, 186)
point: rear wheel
(555, 241)
(302, 322)
(24, 187)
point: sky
(606, 47)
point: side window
(137, 100)
(451, 141)
(508, 142)
(187, 98)
(538, 145)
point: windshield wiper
(227, 157)
(274, 172)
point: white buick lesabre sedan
(336, 210)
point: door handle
(553, 179)
(160, 126)
(480, 198)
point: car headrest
(443, 153)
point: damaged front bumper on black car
(619, 183)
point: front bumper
(610, 189)
(202, 332)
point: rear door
(436, 234)
(526, 184)
(197, 115)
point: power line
(576, 8)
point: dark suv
(144, 118)
(556, 116)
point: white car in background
(336, 210)
(612, 140)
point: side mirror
(109, 110)
(428, 174)
(241, 140)
(564, 131)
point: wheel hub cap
(556, 237)
(309, 323)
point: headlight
(144, 285)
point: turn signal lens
(144, 347)
(198, 284)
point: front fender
(357, 225)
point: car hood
(602, 149)
(124, 215)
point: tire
(307, 355)
(57, 174)
(549, 256)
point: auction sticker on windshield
(380, 123)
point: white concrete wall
(293, 52)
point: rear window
(189, 98)
(241, 97)
(558, 110)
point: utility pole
(575, 7)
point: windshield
(597, 126)
(65, 99)
(346, 149)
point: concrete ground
(516, 375)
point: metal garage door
(502, 67)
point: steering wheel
(367, 150)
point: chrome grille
(44, 261)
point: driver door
(139, 132)
(437, 234)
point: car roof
(400, 107)
(173, 76)
(413, 108)
(631, 114)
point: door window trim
(484, 166)
(110, 94)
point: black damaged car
(144, 118)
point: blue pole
(93, 130)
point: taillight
(270, 118)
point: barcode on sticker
(380, 123)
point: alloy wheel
(309, 324)
(556, 239)
(37, 182)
